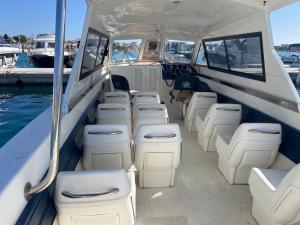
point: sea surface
(20, 106)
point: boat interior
(176, 112)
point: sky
(31, 17)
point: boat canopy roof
(189, 19)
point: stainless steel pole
(56, 103)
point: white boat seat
(252, 145)
(276, 196)
(120, 97)
(106, 146)
(221, 119)
(198, 105)
(95, 197)
(146, 97)
(113, 113)
(149, 114)
(157, 154)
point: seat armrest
(222, 144)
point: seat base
(156, 179)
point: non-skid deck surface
(201, 195)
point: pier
(30, 76)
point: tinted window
(240, 55)
(101, 50)
(179, 51)
(244, 55)
(93, 52)
(90, 53)
(216, 54)
(51, 45)
(126, 50)
(201, 60)
(40, 45)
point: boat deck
(201, 195)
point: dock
(30, 76)
(293, 72)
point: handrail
(119, 109)
(206, 96)
(226, 109)
(151, 109)
(115, 96)
(105, 132)
(72, 195)
(160, 136)
(56, 103)
(140, 96)
(264, 131)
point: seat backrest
(150, 114)
(145, 97)
(113, 110)
(150, 110)
(222, 114)
(158, 133)
(200, 100)
(286, 202)
(121, 97)
(256, 137)
(100, 134)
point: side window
(124, 51)
(179, 51)
(216, 54)
(152, 50)
(93, 52)
(101, 51)
(201, 60)
(244, 55)
(240, 55)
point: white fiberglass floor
(201, 195)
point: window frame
(95, 67)
(176, 63)
(126, 62)
(232, 72)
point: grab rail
(29, 190)
(160, 136)
(119, 109)
(72, 195)
(224, 109)
(151, 109)
(105, 132)
(115, 96)
(206, 96)
(264, 131)
(140, 96)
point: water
(20, 106)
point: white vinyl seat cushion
(252, 145)
(146, 97)
(114, 113)
(149, 114)
(106, 146)
(120, 97)
(96, 197)
(198, 105)
(157, 154)
(276, 196)
(221, 119)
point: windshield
(40, 44)
(126, 50)
(179, 51)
